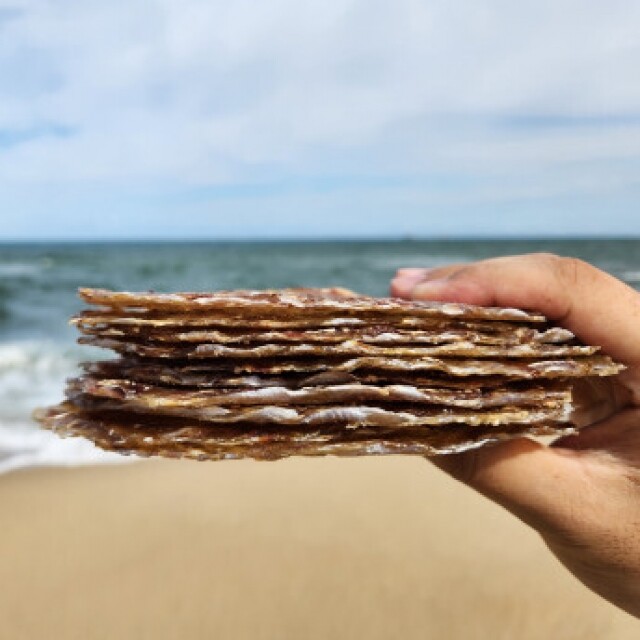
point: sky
(324, 118)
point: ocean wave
(32, 374)
(632, 277)
(33, 371)
(25, 445)
(19, 269)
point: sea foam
(32, 374)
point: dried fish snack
(157, 397)
(515, 368)
(520, 368)
(375, 335)
(346, 348)
(271, 374)
(136, 319)
(198, 375)
(293, 302)
(179, 438)
(349, 416)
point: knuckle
(461, 271)
(545, 258)
(466, 271)
(569, 270)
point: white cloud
(197, 92)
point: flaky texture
(379, 367)
(346, 348)
(184, 439)
(199, 375)
(293, 302)
(349, 416)
(376, 335)
(170, 320)
(157, 397)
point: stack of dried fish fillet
(271, 374)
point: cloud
(467, 103)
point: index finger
(595, 306)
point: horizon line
(320, 239)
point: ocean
(38, 285)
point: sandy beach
(327, 548)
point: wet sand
(372, 548)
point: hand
(582, 494)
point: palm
(582, 494)
(600, 472)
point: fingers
(407, 279)
(597, 307)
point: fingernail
(412, 271)
(429, 288)
(404, 284)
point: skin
(582, 493)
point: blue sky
(272, 118)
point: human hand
(582, 494)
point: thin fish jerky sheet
(158, 397)
(269, 374)
(294, 302)
(93, 319)
(376, 335)
(131, 434)
(199, 376)
(347, 348)
(595, 365)
(351, 416)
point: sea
(38, 284)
